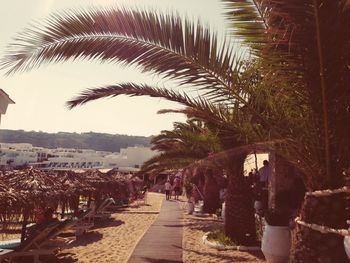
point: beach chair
(101, 211)
(39, 243)
(85, 221)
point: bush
(219, 236)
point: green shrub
(219, 236)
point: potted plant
(190, 202)
(276, 241)
(347, 243)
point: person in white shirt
(167, 189)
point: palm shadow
(225, 257)
(108, 223)
(86, 238)
(153, 260)
(60, 258)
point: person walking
(177, 187)
(167, 189)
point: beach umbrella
(7, 194)
(73, 185)
(105, 184)
(37, 190)
(121, 186)
(10, 201)
(35, 186)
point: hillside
(89, 140)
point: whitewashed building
(19, 154)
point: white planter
(276, 243)
(190, 207)
(258, 205)
(223, 211)
(347, 243)
(347, 246)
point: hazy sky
(41, 93)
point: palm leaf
(308, 41)
(165, 44)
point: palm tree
(239, 223)
(186, 145)
(181, 51)
(308, 42)
(164, 44)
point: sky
(40, 94)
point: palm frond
(163, 43)
(308, 42)
(248, 20)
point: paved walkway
(162, 243)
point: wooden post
(272, 181)
(24, 224)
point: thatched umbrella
(37, 188)
(105, 184)
(73, 185)
(121, 185)
(10, 201)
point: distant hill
(89, 140)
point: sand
(114, 240)
(111, 241)
(194, 250)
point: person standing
(177, 187)
(263, 182)
(264, 174)
(167, 189)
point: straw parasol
(105, 184)
(37, 189)
(73, 185)
(9, 201)
(35, 186)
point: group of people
(175, 187)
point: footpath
(162, 243)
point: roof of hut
(32, 185)
(8, 195)
(73, 183)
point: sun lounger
(39, 243)
(85, 221)
(102, 210)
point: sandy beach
(115, 239)
(112, 240)
(194, 250)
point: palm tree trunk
(239, 214)
(211, 193)
(312, 246)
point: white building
(19, 154)
(129, 157)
